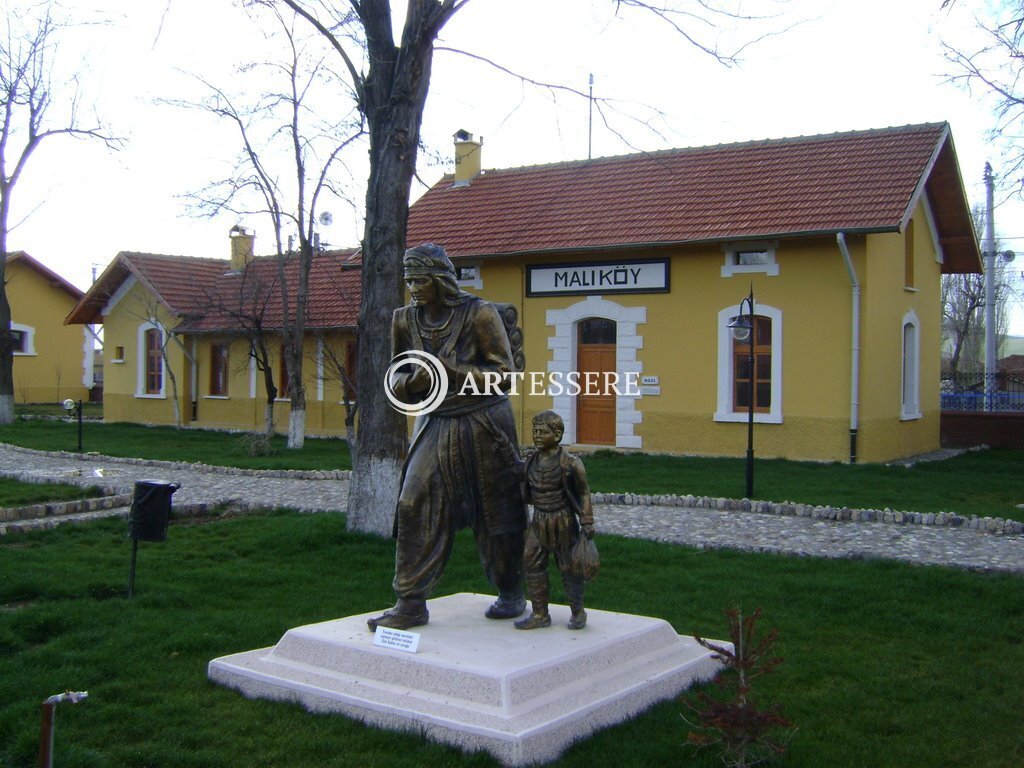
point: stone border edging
(60, 508)
(993, 525)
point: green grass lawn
(15, 493)
(886, 664)
(983, 483)
(170, 444)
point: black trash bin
(151, 510)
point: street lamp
(743, 330)
(75, 408)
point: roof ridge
(172, 257)
(672, 151)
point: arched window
(734, 370)
(219, 370)
(151, 361)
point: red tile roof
(205, 292)
(335, 287)
(854, 182)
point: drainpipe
(855, 346)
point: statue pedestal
(478, 684)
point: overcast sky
(850, 65)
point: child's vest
(569, 490)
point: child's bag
(586, 560)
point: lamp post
(743, 329)
(72, 407)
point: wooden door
(595, 411)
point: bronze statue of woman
(459, 470)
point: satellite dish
(1009, 256)
(326, 218)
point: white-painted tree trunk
(268, 419)
(6, 409)
(296, 429)
(373, 495)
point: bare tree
(390, 79)
(994, 63)
(283, 124)
(337, 369)
(34, 106)
(147, 308)
(242, 304)
(963, 311)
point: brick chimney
(467, 158)
(242, 241)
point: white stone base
(476, 683)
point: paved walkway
(698, 527)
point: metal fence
(971, 391)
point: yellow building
(637, 266)
(52, 361)
(182, 334)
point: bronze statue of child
(556, 485)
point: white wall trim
(30, 339)
(929, 216)
(563, 360)
(88, 359)
(725, 413)
(119, 294)
(730, 267)
(477, 283)
(910, 369)
(194, 378)
(252, 376)
(140, 346)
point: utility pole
(990, 288)
(590, 118)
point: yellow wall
(325, 415)
(122, 399)
(55, 371)
(884, 435)
(679, 344)
(190, 362)
(813, 292)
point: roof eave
(235, 330)
(737, 238)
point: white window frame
(140, 379)
(910, 368)
(30, 339)
(477, 282)
(732, 267)
(725, 412)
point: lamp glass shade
(739, 327)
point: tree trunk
(268, 419)
(297, 428)
(6, 339)
(396, 92)
(175, 405)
